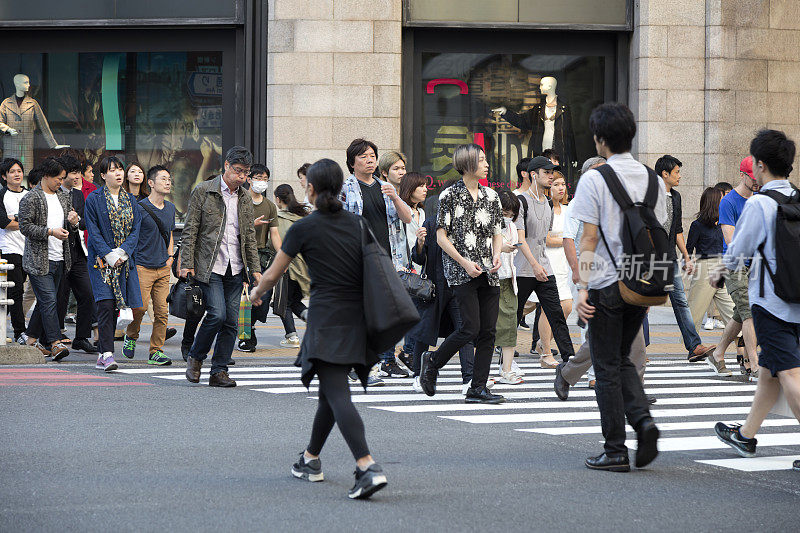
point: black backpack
(787, 233)
(649, 267)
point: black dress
(336, 332)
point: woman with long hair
(413, 190)
(134, 181)
(112, 220)
(336, 337)
(298, 283)
(558, 260)
(704, 242)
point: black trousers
(18, 276)
(77, 280)
(618, 387)
(336, 407)
(547, 292)
(106, 324)
(479, 304)
(466, 354)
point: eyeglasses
(240, 171)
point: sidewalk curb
(20, 355)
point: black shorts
(779, 341)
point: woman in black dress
(336, 337)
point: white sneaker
(418, 388)
(719, 324)
(516, 369)
(708, 325)
(510, 378)
(291, 341)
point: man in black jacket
(77, 278)
(668, 168)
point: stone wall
(333, 75)
(705, 76)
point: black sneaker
(428, 374)
(391, 369)
(368, 482)
(730, 435)
(482, 395)
(246, 345)
(407, 360)
(310, 471)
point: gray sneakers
(718, 366)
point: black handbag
(280, 295)
(177, 299)
(418, 286)
(388, 310)
(195, 307)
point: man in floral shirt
(470, 223)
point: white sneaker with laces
(708, 325)
(515, 368)
(291, 341)
(418, 388)
(719, 324)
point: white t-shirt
(593, 204)
(549, 127)
(55, 220)
(12, 241)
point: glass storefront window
(149, 107)
(460, 90)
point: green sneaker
(128, 347)
(158, 358)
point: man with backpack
(617, 231)
(768, 231)
(153, 262)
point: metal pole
(4, 302)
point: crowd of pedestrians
(492, 258)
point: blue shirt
(757, 225)
(730, 209)
(151, 250)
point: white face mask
(259, 186)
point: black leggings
(106, 324)
(335, 407)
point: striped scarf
(121, 218)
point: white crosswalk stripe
(691, 399)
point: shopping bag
(245, 311)
(781, 407)
(125, 318)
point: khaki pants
(701, 294)
(154, 284)
(581, 362)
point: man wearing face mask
(267, 237)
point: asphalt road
(83, 451)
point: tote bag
(388, 309)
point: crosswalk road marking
(691, 399)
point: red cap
(746, 166)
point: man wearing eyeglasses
(218, 248)
(730, 209)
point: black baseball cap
(541, 161)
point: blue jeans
(683, 314)
(221, 296)
(45, 314)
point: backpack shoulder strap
(651, 196)
(615, 186)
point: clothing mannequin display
(550, 124)
(19, 115)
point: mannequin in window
(550, 124)
(19, 115)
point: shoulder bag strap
(615, 186)
(651, 196)
(164, 234)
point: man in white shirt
(776, 321)
(613, 323)
(12, 242)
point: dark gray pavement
(127, 452)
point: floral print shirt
(470, 225)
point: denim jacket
(353, 202)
